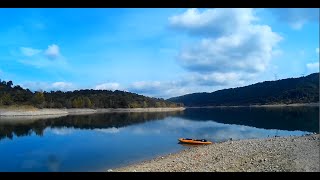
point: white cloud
(112, 130)
(64, 131)
(297, 17)
(43, 58)
(53, 51)
(313, 67)
(216, 78)
(165, 89)
(317, 50)
(173, 91)
(213, 22)
(45, 86)
(277, 53)
(62, 86)
(143, 85)
(232, 44)
(108, 86)
(192, 82)
(36, 86)
(29, 51)
(148, 88)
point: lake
(99, 142)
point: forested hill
(285, 91)
(16, 95)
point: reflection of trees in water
(287, 118)
(282, 118)
(93, 121)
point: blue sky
(156, 52)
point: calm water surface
(102, 141)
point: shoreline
(261, 106)
(76, 111)
(284, 154)
(23, 112)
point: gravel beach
(277, 154)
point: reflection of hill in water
(286, 118)
(93, 121)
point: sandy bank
(63, 112)
(32, 112)
(259, 155)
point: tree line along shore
(17, 96)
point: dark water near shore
(101, 141)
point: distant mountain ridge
(285, 91)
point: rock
(109, 170)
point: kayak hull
(188, 141)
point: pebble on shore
(292, 153)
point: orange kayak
(194, 141)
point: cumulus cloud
(36, 86)
(191, 83)
(26, 51)
(62, 131)
(231, 43)
(45, 86)
(41, 58)
(108, 86)
(62, 85)
(112, 130)
(222, 79)
(296, 17)
(146, 87)
(313, 67)
(164, 89)
(53, 51)
(212, 22)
